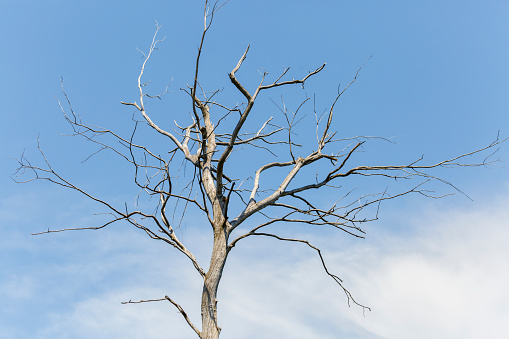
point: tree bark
(210, 327)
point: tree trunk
(210, 327)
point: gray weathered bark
(210, 327)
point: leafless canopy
(202, 152)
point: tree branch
(319, 252)
(181, 310)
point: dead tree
(225, 202)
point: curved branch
(319, 252)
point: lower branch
(181, 310)
(333, 276)
(184, 314)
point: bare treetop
(195, 172)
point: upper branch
(325, 134)
(141, 107)
(251, 100)
(414, 167)
(234, 79)
(293, 81)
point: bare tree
(202, 150)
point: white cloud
(105, 317)
(17, 287)
(445, 279)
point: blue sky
(437, 82)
